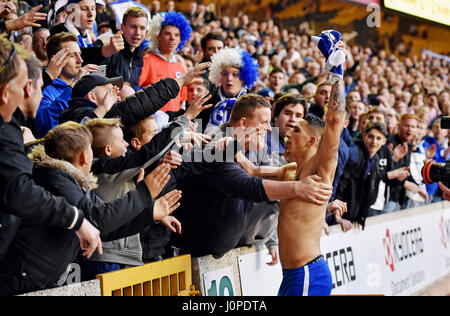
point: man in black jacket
(321, 99)
(39, 254)
(26, 111)
(218, 195)
(20, 196)
(128, 62)
(361, 179)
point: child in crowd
(62, 166)
(116, 170)
(155, 238)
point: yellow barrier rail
(170, 277)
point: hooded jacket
(21, 198)
(39, 254)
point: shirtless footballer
(313, 146)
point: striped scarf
(83, 41)
(222, 110)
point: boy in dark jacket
(155, 238)
(359, 184)
(116, 170)
(21, 197)
(39, 254)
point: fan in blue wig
(163, 19)
(238, 58)
(248, 74)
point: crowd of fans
(112, 116)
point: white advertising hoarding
(397, 257)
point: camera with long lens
(432, 171)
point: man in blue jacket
(56, 96)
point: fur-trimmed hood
(41, 159)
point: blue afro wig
(236, 57)
(177, 19)
(249, 70)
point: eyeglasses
(11, 55)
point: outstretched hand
(157, 179)
(172, 223)
(192, 75)
(172, 158)
(28, 19)
(337, 206)
(165, 205)
(197, 105)
(194, 138)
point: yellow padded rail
(170, 277)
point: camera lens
(433, 172)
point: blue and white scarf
(83, 41)
(222, 110)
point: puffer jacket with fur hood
(39, 255)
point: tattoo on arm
(338, 97)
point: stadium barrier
(170, 277)
(402, 253)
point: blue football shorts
(312, 279)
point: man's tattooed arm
(337, 99)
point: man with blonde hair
(116, 170)
(129, 61)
